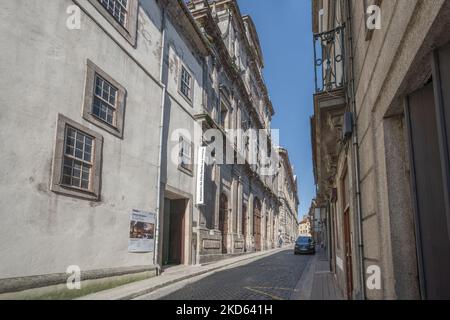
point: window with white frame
(122, 14)
(77, 160)
(186, 83)
(118, 9)
(104, 102)
(185, 154)
(105, 97)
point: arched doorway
(257, 224)
(223, 220)
(244, 225)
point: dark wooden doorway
(176, 231)
(257, 224)
(345, 192)
(432, 235)
(348, 254)
(223, 221)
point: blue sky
(284, 29)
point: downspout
(161, 133)
(355, 144)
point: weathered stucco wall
(43, 232)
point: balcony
(329, 58)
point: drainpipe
(355, 144)
(161, 133)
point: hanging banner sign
(200, 199)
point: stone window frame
(190, 98)
(129, 31)
(189, 168)
(56, 184)
(116, 129)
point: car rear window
(304, 240)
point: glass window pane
(67, 180)
(80, 145)
(79, 154)
(71, 132)
(85, 176)
(87, 157)
(67, 171)
(76, 173)
(69, 150)
(76, 182)
(84, 184)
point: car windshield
(304, 240)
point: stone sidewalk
(317, 282)
(170, 276)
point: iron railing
(329, 58)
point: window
(117, 8)
(77, 159)
(186, 154)
(122, 14)
(104, 103)
(105, 96)
(186, 83)
(224, 116)
(77, 162)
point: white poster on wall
(200, 199)
(142, 231)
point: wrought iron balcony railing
(329, 58)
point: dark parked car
(304, 244)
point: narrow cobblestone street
(270, 278)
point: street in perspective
(225, 150)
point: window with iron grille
(186, 83)
(118, 9)
(77, 160)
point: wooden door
(429, 197)
(223, 221)
(348, 254)
(176, 231)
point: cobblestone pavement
(272, 277)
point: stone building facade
(380, 144)
(241, 210)
(304, 227)
(287, 193)
(110, 99)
